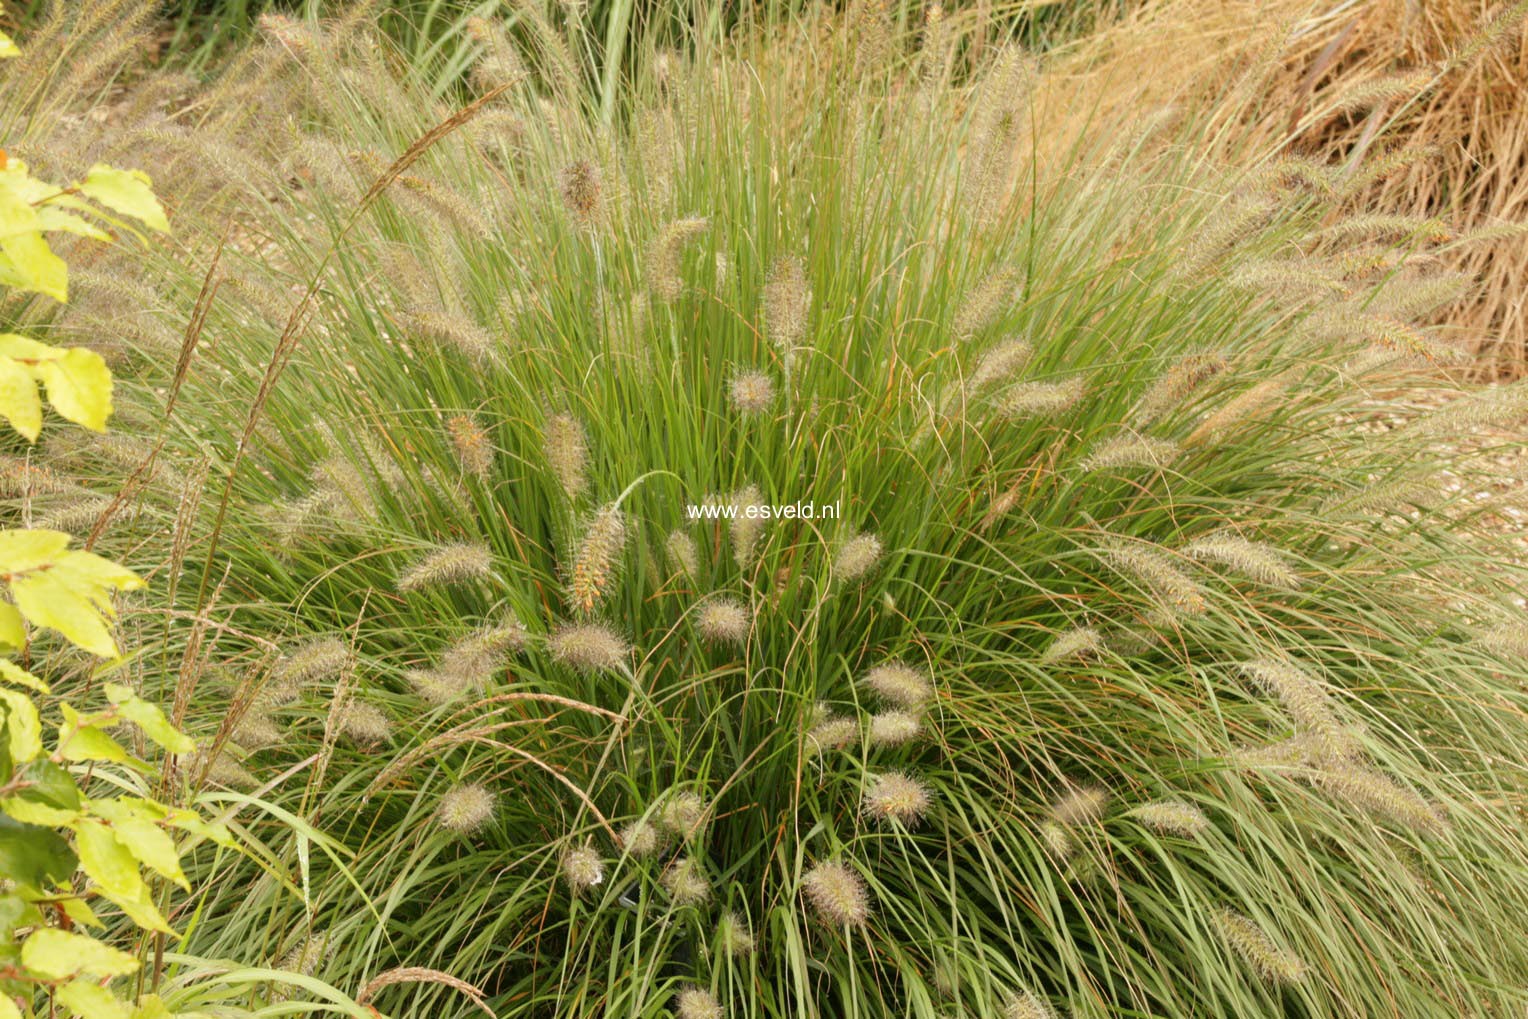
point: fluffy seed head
(894, 728)
(1080, 806)
(697, 1003)
(837, 894)
(1237, 411)
(683, 814)
(1127, 451)
(686, 882)
(1078, 642)
(588, 648)
(449, 564)
(1177, 384)
(999, 364)
(1025, 1004)
(986, 302)
(1039, 399)
(307, 954)
(897, 797)
(1173, 817)
(256, 729)
(663, 259)
(724, 621)
(484, 649)
(857, 557)
(450, 332)
(641, 838)
(567, 452)
(787, 303)
(582, 868)
(1059, 842)
(595, 562)
(465, 808)
(1307, 702)
(1254, 559)
(1249, 941)
(831, 733)
(752, 392)
(363, 723)
(1382, 797)
(471, 444)
(900, 684)
(581, 191)
(1176, 591)
(735, 936)
(683, 557)
(746, 530)
(315, 660)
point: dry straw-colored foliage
(1440, 87)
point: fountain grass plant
(1147, 670)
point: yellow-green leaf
(51, 217)
(8, 48)
(56, 954)
(150, 719)
(80, 912)
(79, 740)
(19, 402)
(140, 909)
(153, 847)
(21, 551)
(91, 1001)
(13, 633)
(193, 824)
(151, 1006)
(15, 674)
(126, 191)
(23, 725)
(8, 1009)
(73, 596)
(107, 861)
(33, 812)
(79, 387)
(34, 266)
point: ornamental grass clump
(1079, 546)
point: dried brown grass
(1443, 86)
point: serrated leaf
(129, 192)
(57, 954)
(22, 725)
(19, 403)
(14, 674)
(150, 719)
(107, 861)
(91, 1001)
(79, 387)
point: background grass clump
(1147, 671)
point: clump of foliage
(1142, 673)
